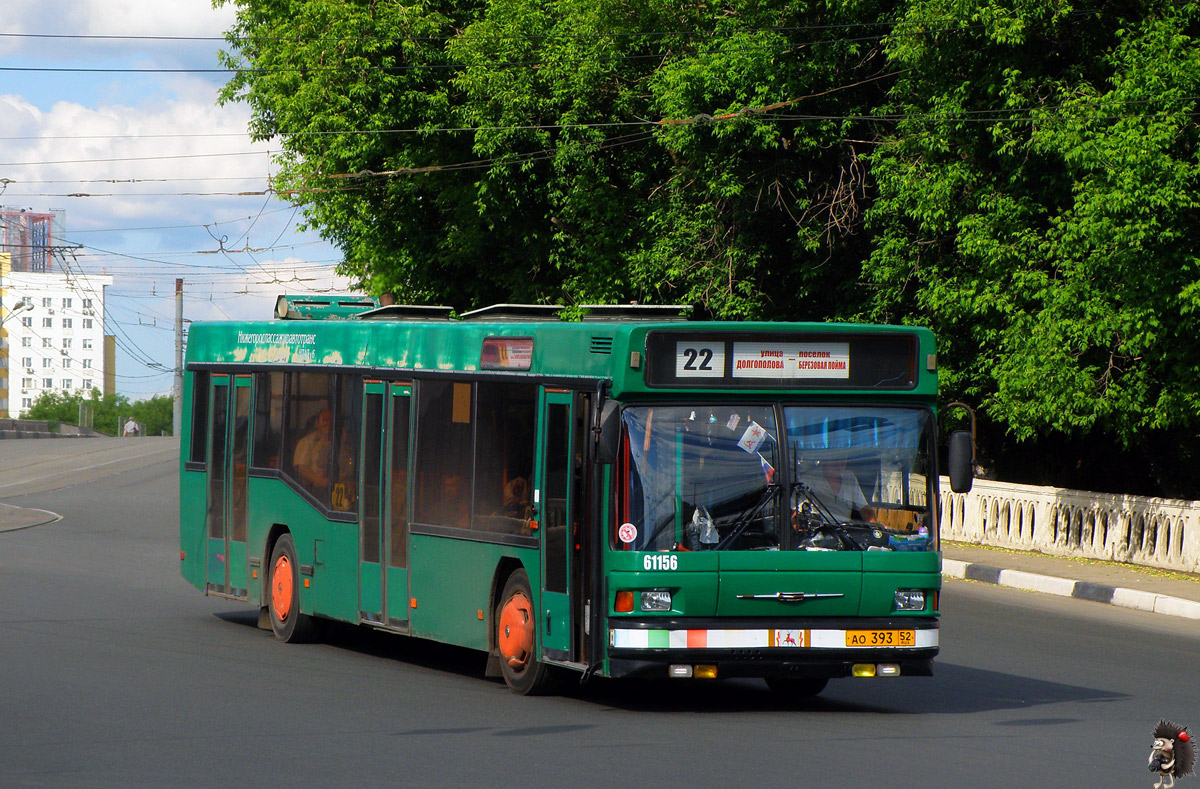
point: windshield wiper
(747, 516)
(812, 498)
(823, 513)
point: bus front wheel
(516, 639)
(283, 594)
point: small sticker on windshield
(752, 439)
(734, 421)
(627, 533)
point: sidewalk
(1126, 585)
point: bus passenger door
(554, 496)
(395, 532)
(229, 451)
(383, 558)
(370, 568)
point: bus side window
(268, 420)
(199, 447)
(504, 456)
(320, 436)
(346, 419)
(443, 461)
(309, 432)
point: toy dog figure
(1172, 754)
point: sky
(108, 113)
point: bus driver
(837, 489)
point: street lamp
(24, 305)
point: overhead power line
(891, 29)
(177, 227)
(201, 179)
(292, 38)
(988, 114)
(358, 69)
(137, 158)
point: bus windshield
(732, 477)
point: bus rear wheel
(516, 639)
(797, 687)
(283, 594)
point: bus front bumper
(793, 648)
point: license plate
(881, 638)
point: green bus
(630, 495)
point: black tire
(283, 595)
(522, 671)
(797, 687)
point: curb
(1065, 587)
(14, 518)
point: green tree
(740, 211)
(157, 413)
(1036, 207)
(1019, 176)
(60, 406)
(568, 152)
(109, 412)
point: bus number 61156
(658, 561)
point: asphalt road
(117, 673)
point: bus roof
(649, 356)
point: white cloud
(130, 153)
(154, 17)
(98, 134)
(118, 17)
(118, 121)
(18, 118)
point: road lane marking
(76, 470)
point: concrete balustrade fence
(1140, 530)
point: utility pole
(177, 420)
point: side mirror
(961, 461)
(608, 439)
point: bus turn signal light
(624, 604)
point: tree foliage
(108, 412)
(1019, 176)
(566, 152)
(1037, 207)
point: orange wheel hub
(282, 588)
(516, 630)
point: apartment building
(51, 330)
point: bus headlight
(656, 600)
(909, 600)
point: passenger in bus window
(311, 463)
(516, 497)
(454, 508)
(312, 455)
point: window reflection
(724, 478)
(702, 478)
